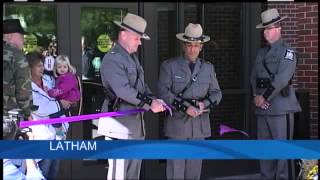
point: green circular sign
(30, 43)
(104, 43)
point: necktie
(191, 66)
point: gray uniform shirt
(281, 61)
(174, 76)
(119, 71)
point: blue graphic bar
(162, 149)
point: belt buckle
(194, 101)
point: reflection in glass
(97, 35)
(42, 28)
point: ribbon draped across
(79, 118)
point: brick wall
(300, 30)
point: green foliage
(97, 21)
(39, 18)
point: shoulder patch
(289, 54)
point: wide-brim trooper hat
(193, 33)
(134, 23)
(270, 17)
(13, 26)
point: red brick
(304, 44)
(315, 116)
(314, 125)
(313, 93)
(314, 43)
(305, 9)
(315, 20)
(314, 103)
(311, 96)
(306, 20)
(311, 73)
(300, 73)
(291, 6)
(314, 67)
(304, 67)
(310, 61)
(301, 15)
(300, 49)
(289, 23)
(314, 31)
(311, 26)
(315, 8)
(301, 26)
(312, 14)
(289, 41)
(315, 79)
(300, 85)
(314, 55)
(311, 38)
(311, 85)
(311, 49)
(304, 32)
(304, 79)
(303, 55)
(290, 32)
(313, 108)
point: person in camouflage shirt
(17, 91)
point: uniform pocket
(179, 82)
(132, 75)
(203, 85)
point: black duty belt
(263, 82)
(194, 102)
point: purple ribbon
(79, 118)
(168, 108)
(226, 129)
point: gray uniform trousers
(184, 169)
(278, 127)
(123, 168)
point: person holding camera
(274, 96)
(10, 170)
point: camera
(11, 128)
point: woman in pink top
(66, 87)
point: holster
(112, 98)
(285, 92)
(110, 95)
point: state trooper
(17, 91)
(274, 97)
(190, 85)
(123, 80)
